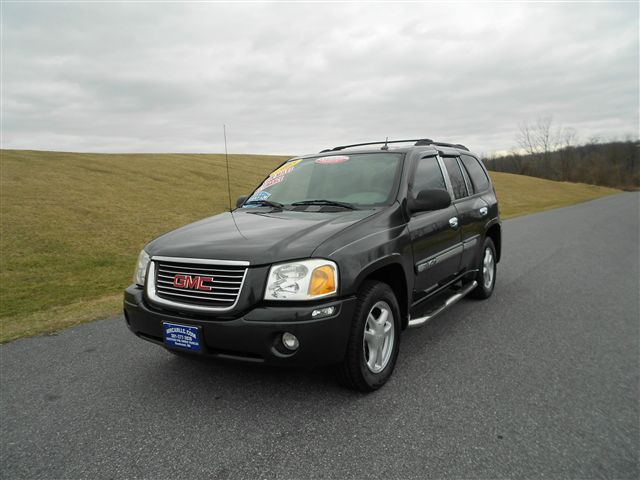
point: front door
(435, 236)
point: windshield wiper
(264, 203)
(326, 202)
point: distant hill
(612, 164)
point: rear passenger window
(428, 175)
(476, 172)
(455, 174)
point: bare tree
(539, 140)
(567, 138)
(544, 136)
(526, 139)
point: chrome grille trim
(199, 297)
(189, 272)
(201, 261)
(194, 266)
(226, 282)
(199, 294)
(169, 283)
(207, 269)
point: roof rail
(342, 147)
(418, 142)
(452, 145)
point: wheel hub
(488, 268)
(379, 332)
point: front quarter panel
(377, 242)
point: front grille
(215, 286)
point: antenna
(226, 158)
(386, 144)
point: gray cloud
(295, 78)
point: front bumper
(255, 335)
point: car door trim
(447, 180)
(439, 257)
(471, 241)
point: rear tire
(374, 340)
(487, 269)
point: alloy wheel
(379, 333)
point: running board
(420, 321)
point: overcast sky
(295, 78)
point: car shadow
(216, 379)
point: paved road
(540, 381)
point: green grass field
(73, 224)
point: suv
(326, 262)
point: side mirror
(241, 199)
(428, 200)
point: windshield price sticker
(332, 160)
(269, 182)
(284, 169)
(277, 175)
(260, 196)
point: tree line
(552, 152)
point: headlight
(303, 280)
(141, 268)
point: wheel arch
(390, 270)
(495, 234)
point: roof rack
(444, 144)
(418, 142)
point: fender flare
(395, 259)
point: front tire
(374, 340)
(486, 276)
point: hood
(261, 236)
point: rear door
(436, 244)
(471, 207)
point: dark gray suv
(326, 262)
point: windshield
(359, 179)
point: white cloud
(295, 78)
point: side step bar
(420, 321)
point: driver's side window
(428, 175)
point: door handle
(483, 211)
(453, 222)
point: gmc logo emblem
(192, 282)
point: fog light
(290, 341)
(323, 312)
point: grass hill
(72, 224)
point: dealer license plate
(185, 337)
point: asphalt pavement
(540, 381)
